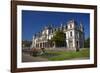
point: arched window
(71, 33)
(70, 25)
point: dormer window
(66, 27)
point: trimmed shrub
(35, 52)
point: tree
(26, 43)
(87, 43)
(59, 39)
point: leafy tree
(87, 43)
(59, 38)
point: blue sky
(34, 21)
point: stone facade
(74, 36)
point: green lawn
(65, 55)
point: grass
(65, 55)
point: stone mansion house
(74, 36)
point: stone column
(41, 45)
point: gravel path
(28, 58)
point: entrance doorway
(70, 44)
